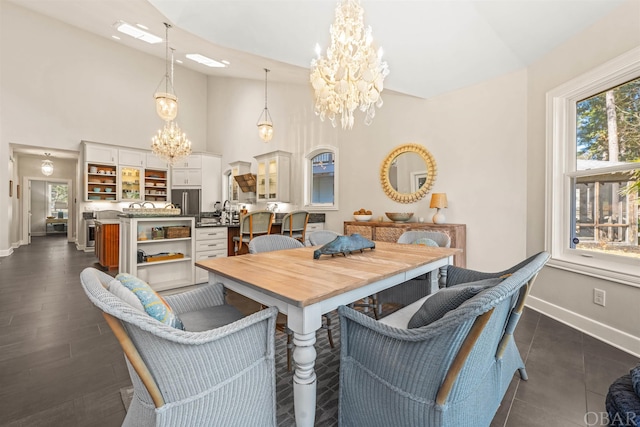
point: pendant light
(47, 166)
(265, 125)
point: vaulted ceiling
(431, 46)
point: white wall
(562, 294)
(477, 136)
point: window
(321, 178)
(593, 182)
(57, 200)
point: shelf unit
(137, 234)
(155, 185)
(101, 182)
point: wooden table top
(293, 274)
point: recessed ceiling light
(116, 37)
(224, 61)
(179, 61)
(144, 27)
(136, 33)
(204, 60)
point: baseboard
(614, 337)
(6, 252)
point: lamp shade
(438, 200)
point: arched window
(321, 178)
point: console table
(391, 231)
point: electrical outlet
(599, 296)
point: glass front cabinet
(130, 184)
(273, 177)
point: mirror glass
(408, 173)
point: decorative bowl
(399, 216)
(362, 217)
(96, 189)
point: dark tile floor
(61, 366)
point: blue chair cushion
(154, 305)
(448, 299)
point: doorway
(47, 211)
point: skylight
(205, 61)
(136, 32)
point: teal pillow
(425, 241)
(153, 304)
(447, 299)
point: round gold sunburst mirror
(408, 173)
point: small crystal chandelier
(47, 166)
(265, 125)
(167, 101)
(352, 73)
(171, 143)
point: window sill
(621, 277)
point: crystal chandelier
(352, 73)
(167, 101)
(47, 166)
(265, 125)
(171, 143)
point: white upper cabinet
(132, 157)
(100, 153)
(273, 177)
(155, 162)
(194, 161)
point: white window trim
(308, 179)
(560, 145)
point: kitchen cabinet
(132, 157)
(107, 243)
(207, 177)
(273, 177)
(146, 236)
(100, 153)
(130, 184)
(390, 231)
(154, 162)
(100, 182)
(186, 178)
(192, 161)
(156, 185)
(211, 242)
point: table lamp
(439, 201)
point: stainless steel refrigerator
(188, 200)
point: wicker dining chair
(414, 289)
(221, 376)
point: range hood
(246, 182)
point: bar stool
(252, 224)
(294, 224)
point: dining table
(305, 288)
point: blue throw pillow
(448, 299)
(153, 304)
(635, 379)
